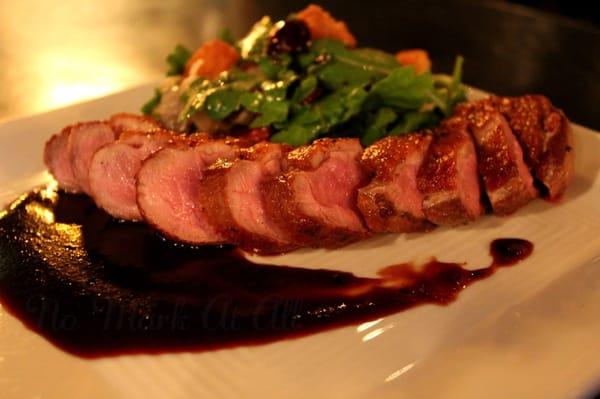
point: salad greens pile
(325, 90)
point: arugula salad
(302, 79)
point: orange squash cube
(212, 58)
(418, 58)
(322, 25)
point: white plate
(529, 331)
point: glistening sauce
(95, 286)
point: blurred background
(55, 53)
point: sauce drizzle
(95, 287)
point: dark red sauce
(94, 286)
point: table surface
(51, 57)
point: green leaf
(222, 103)
(413, 121)
(377, 125)
(363, 92)
(251, 101)
(449, 92)
(341, 105)
(336, 66)
(320, 117)
(306, 87)
(381, 60)
(150, 105)
(456, 86)
(241, 80)
(271, 112)
(372, 60)
(273, 68)
(177, 60)
(337, 74)
(295, 135)
(402, 90)
(278, 88)
(201, 89)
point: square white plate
(529, 331)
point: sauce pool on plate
(94, 286)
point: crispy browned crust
(513, 195)
(446, 210)
(262, 149)
(545, 135)
(179, 142)
(381, 214)
(214, 200)
(382, 159)
(250, 138)
(506, 187)
(283, 209)
(309, 157)
(148, 121)
(438, 176)
(557, 165)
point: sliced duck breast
(448, 177)
(114, 167)
(392, 202)
(546, 137)
(58, 160)
(315, 200)
(167, 190)
(68, 154)
(123, 122)
(249, 138)
(234, 202)
(84, 140)
(506, 177)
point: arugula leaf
(341, 105)
(278, 88)
(318, 118)
(362, 92)
(448, 93)
(150, 105)
(196, 96)
(271, 109)
(456, 90)
(222, 103)
(251, 100)
(271, 112)
(177, 60)
(375, 59)
(337, 74)
(306, 87)
(372, 60)
(377, 125)
(402, 90)
(412, 121)
(271, 102)
(273, 68)
(336, 66)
